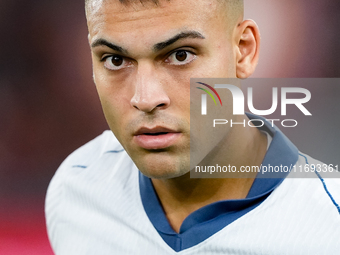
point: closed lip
(154, 131)
(156, 138)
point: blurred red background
(49, 106)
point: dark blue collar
(209, 219)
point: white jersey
(94, 205)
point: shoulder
(95, 158)
(75, 167)
(84, 181)
(87, 154)
(327, 175)
(308, 167)
(317, 182)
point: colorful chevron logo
(209, 93)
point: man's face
(143, 59)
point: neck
(183, 195)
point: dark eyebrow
(182, 35)
(101, 42)
(156, 47)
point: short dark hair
(235, 7)
(130, 1)
(156, 2)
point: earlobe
(248, 45)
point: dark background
(49, 106)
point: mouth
(154, 134)
(156, 138)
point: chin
(163, 165)
(163, 170)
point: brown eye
(117, 60)
(181, 55)
(180, 58)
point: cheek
(177, 86)
(113, 93)
(114, 106)
(111, 111)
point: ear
(248, 46)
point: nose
(149, 93)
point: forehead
(137, 20)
